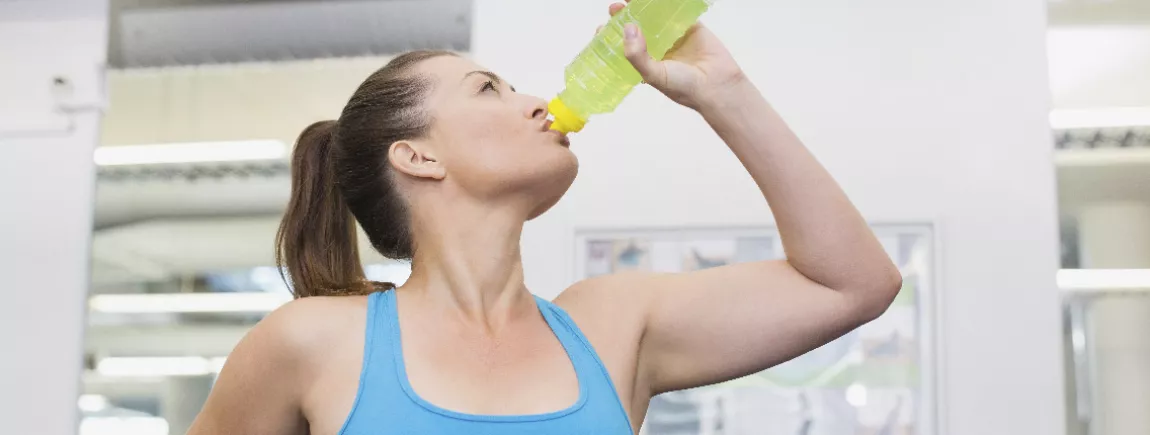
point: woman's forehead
(448, 70)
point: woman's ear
(415, 159)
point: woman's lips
(562, 137)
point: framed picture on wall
(876, 380)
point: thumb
(635, 48)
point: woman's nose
(537, 109)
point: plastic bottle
(600, 76)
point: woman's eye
(488, 86)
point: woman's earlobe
(416, 160)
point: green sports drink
(600, 76)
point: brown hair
(339, 171)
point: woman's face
(494, 143)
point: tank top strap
(563, 326)
(377, 348)
(589, 368)
(375, 386)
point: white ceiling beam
(144, 340)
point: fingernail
(631, 31)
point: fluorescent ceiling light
(1102, 157)
(1100, 118)
(189, 303)
(1103, 279)
(159, 366)
(92, 403)
(191, 152)
(126, 425)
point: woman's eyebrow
(495, 78)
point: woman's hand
(697, 72)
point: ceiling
(22, 10)
(162, 224)
(1091, 176)
(131, 195)
(1099, 54)
(1099, 66)
(1098, 12)
(154, 33)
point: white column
(52, 52)
(1117, 236)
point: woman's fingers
(613, 9)
(635, 48)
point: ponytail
(316, 242)
(340, 173)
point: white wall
(46, 175)
(924, 111)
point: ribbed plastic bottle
(600, 76)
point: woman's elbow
(877, 292)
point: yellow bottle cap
(566, 121)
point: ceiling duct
(133, 194)
(154, 33)
(154, 223)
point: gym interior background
(1001, 148)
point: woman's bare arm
(713, 325)
(260, 388)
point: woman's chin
(542, 209)
(552, 190)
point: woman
(441, 162)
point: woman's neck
(467, 262)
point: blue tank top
(387, 405)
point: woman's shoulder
(271, 371)
(611, 311)
(309, 307)
(612, 306)
(316, 318)
(302, 327)
(608, 295)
